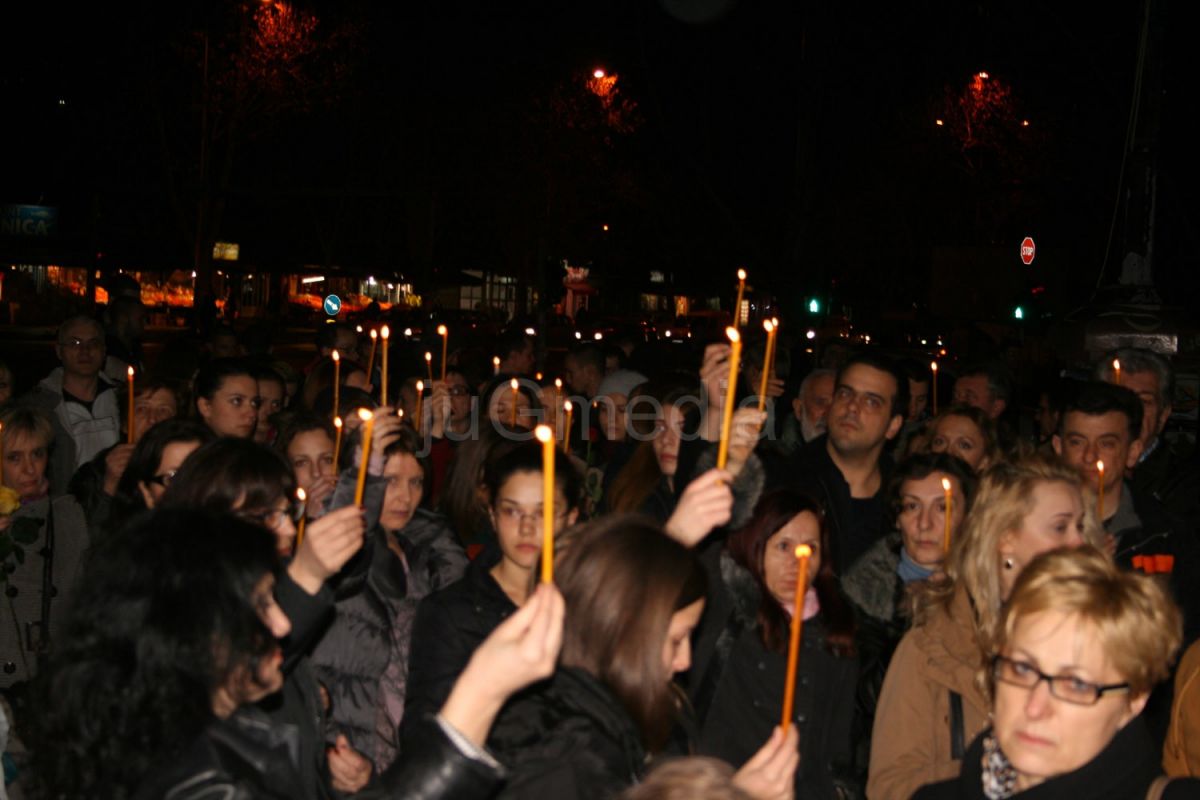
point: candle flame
(428, 356)
(768, 326)
(385, 332)
(538, 377)
(803, 551)
(733, 334)
(441, 330)
(543, 433)
(567, 406)
(513, 383)
(336, 356)
(374, 333)
(741, 274)
(1117, 364)
(358, 329)
(933, 365)
(1100, 466)
(130, 370)
(400, 413)
(337, 422)
(946, 484)
(495, 361)
(420, 386)
(775, 321)
(300, 495)
(365, 415)
(558, 383)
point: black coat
(450, 624)
(569, 740)
(749, 702)
(1123, 771)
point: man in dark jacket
(846, 470)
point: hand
(114, 466)
(706, 503)
(743, 437)
(319, 492)
(328, 544)
(349, 769)
(387, 428)
(714, 374)
(439, 409)
(775, 388)
(523, 649)
(771, 773)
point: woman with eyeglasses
(254, 483)
(226, 394)
(931, 706)
(452, 622)
(409, 552)
(1073, 657)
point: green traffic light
(1019, 313)
(814, 307)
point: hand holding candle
(948, 511)
(735, 354)
(803, 553)
(303, 498)
(445, 334)
(546, 437)
(130, 434)
(384, 333)
(368, 428)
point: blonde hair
(1139, 626)
(694, 778)
(1003, 500)
(33, 422)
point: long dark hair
(231, 473)
(748, 547)
(638, 479)
(623, 579)
(162, 617)
(143, 463)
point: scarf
(999, 776)
(909, 570)
(812, 605)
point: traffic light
(814, 306)
(1019, 312)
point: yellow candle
(949, 512)
(420, 397)
(737, 309)
(129, 374)
(429, 364)
(371, 358)
(735, 354)
(567, 407)
(558, 401)
(933, 367)
(445, 334)
(384, 333)
(303, 498)
(337, 442)
(337, 381)
(495, 365)
(368, 427)
(515, 387)
(546, 437)
(1100, 493)
(803, 552)
(1117, 371)
(766, 370)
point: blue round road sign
(333, 304)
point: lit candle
(1100, 492)
(537, 376)
(558, 401)
(495, 365)
(384, 333)
(368, 427)
(948, 511)
(933, 389)
(546, 437)
(337, 442)
(735, 354)
(337, 381)
(737, 309)
(766, 370)
(445, 334)
(129, 374)
(567, 407)
(303, 498)
(1117, 371)
(803, 552)
(371, 358)
(429, 364)
(515, 386)
(420, 396)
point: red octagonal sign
(1027, 250)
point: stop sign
(1027, 250)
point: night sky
(797, 139)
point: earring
(1009, 563)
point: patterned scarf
(999, 776)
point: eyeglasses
(165, 479)
(458, 391)
(1065, 687)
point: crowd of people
(221, 579)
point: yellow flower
(10, 501)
